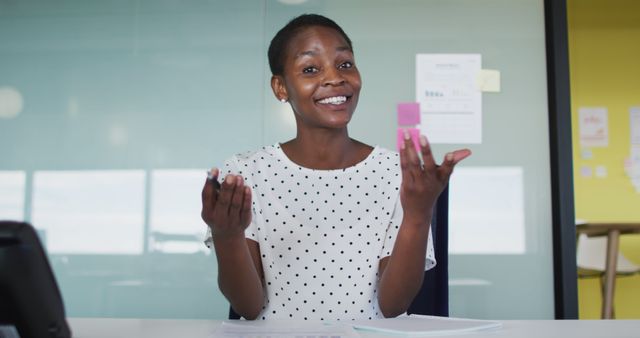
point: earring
(283, 100)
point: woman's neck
(325, 149)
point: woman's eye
(347, 64)
(308, 70)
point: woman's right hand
(226, 211)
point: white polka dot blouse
(322, 233)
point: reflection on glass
(175, 221)
(12, 185)
(486, 213)
(90, 212)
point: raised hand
(423, 181)
(226, 208)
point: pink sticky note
(408, 113)
(415, 137)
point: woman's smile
(335, 102)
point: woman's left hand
(423, 182)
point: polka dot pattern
(322, 233)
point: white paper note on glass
(594, 126)
(634, 115)
(586, 154)
(632, 166)
(488, 80)
(601, 171)
(634, 158)
(450, 101)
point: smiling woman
(322, 83)
(313, 68)
(323, 226)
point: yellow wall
(604, 52)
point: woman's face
(320, 78)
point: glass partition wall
(110, 113)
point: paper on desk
(425, 325)
(283, 329)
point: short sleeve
(231, 166)
(392, 234)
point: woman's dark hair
(278, 45)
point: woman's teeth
(334, 100)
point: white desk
(161, 328)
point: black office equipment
(433, 297)
(29, 296)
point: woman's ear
(279, 89)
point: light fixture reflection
(11, 102)
(292, 2)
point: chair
(433, 297)
(591, 260)
(591, 257)
(30, 299)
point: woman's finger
(460, 155)
(414, 160)
(245, 214)
(226, 193)
(407, 163)
(427, 154)
(206, 200)
(450, 161)
(446, 168)
(212, 178)
(237, 198)
(209, 192)
(403, 156)
(415, 166)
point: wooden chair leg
(603, 293)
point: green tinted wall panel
(145, 95)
